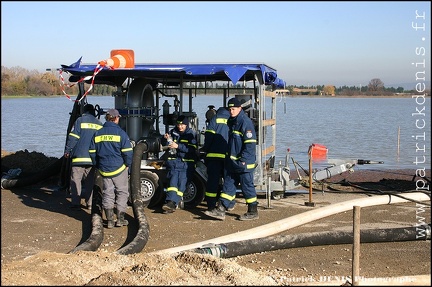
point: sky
(308, 43)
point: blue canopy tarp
(176, 72)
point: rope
(63, 84)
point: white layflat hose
(299, 219)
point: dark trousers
(215, 171)
(231, 180)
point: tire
(148, 186)
(195, 192)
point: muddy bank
(38, 231)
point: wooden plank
(269, 122)
(269, 94)
(268, 150)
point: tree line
(375, 87)
(17, 81)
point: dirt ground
(39, 231)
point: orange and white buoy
(120, 59)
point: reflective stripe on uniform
(175, 189)
(251, 200)
(90, 126)
(107, 138)
(112, 173)
(82, 160)
(221, 121)
(227, 196)
(211, 194)
(215, 155)
(74, 135)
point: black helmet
(89, 108)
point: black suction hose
(270, 243)
(51, 170)
(142, 236)
(97, 233)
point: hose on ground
(257, 245)
(278, 226)
(51, 170)
(97, 234)
(142, 236)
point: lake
(393, 130)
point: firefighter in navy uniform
(210, 113)
(112, 152)
(215, 149)
(77, 148)
(180, 162)
(239, 165)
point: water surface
(378, 129)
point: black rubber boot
(109, 213)
(251, 214)
(120, 220)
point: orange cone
(120, 59)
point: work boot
(120, 219)
(232, 206)
(211, 205)
(218, 212)
(169, 206)
(109, 213)
(251, 214)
